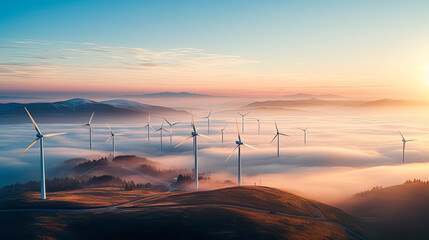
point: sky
(245, 48)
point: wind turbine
(259, 125)
(305, 134)
(403, 146)
(148, 127)
(278, 133)
(239, 143)
(194, 135)
(90, 130)
(40, 136)
(160, 130)
(112, 136)
(208, 122)
(223, 131)
(171, 129)
(242, 120)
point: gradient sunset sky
(246, 48)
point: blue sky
(307, 43)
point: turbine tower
(278, 133)
(223, 131)
(112, 136)
(90, 130)
(148, 128)
(171, 129)
(160, 130)
(305, 134)
(239, 143)
(242, 120)
(208, 122)
(194, 135)
(40, 136)
(403, 146)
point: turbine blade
(82, 125)
(246, 113)
(401, 135)
(231, 153)
(167, 121)
(202, 135)
(284, 134)
(184, 141)
(249, 146)
(109, 128)
(34, 142)
(240, 114)
(90, 119)
(119, 134)
(276, 126)
(209, 114)
(193, 122)
(34, 122)
(108, 139)
(274, 138)
(53, 134)
(410, 140)
(175, 123)
(92, 129)
(238, 130)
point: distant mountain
(79, 110)
(312, 102)
(395, 103)
(398, 212)
(169, 95)
(308, 96)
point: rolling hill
(228, 213)
(79, 109)
(397, 212)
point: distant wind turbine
(239, 143)
(223, 131)
(194, 135)
(171, 129)
(40, 136)
(112, 136)
(90, 130)
(242, 120)
(148, 126)
(259, 125)
(403, 146)
(208, 122)
(278, 133)
(161, 129)
(305, 134)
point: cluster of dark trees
(129, 186)
(65, 184)
(416, 181)
(91, 164)
(185, 179)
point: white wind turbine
(90, 130)
(194, 135)
(171, 129)
(208, 122)
(242, 120)
(112, 136)
(161, 129)
(278, 133)
(40, 137)
(239, 143)
(148, 127)
(259, 125)
(403, 146)
(305, 134)
(223, 131)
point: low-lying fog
(343, 155)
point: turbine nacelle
(194, 134)
(239, 142)
(38, 135)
